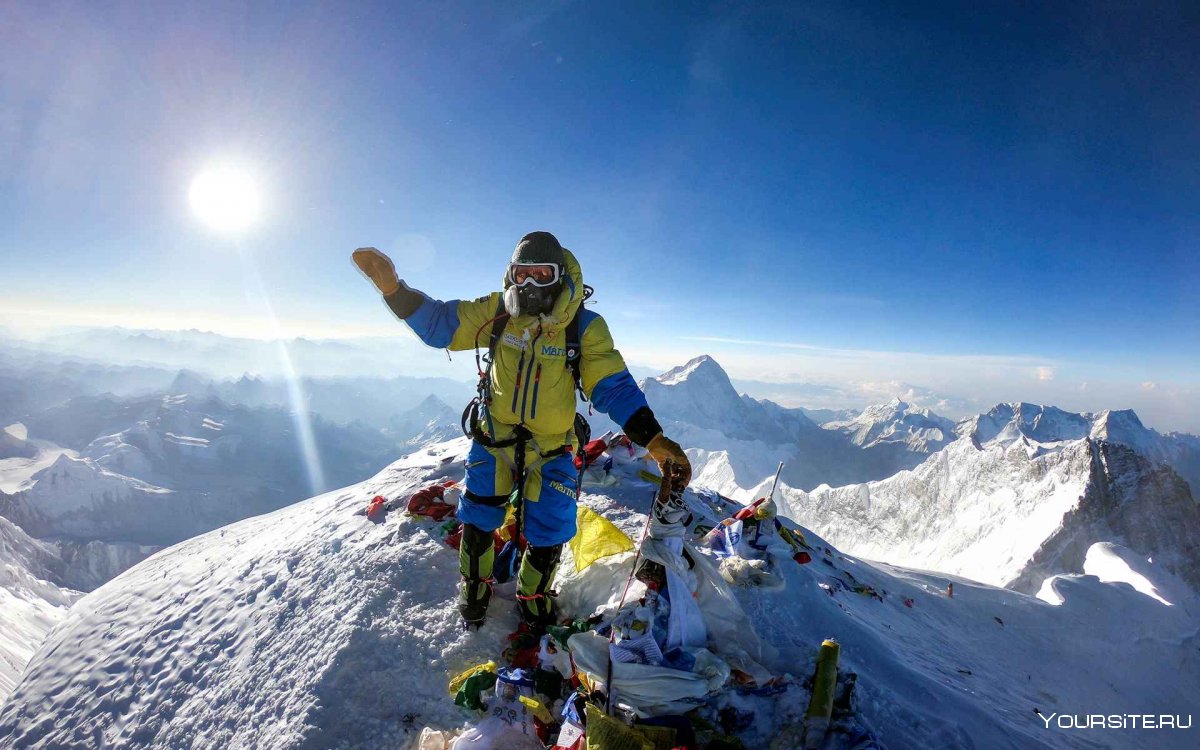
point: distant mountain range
(735, 440)
(1008, 497)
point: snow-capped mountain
(12, 446)
(1006, 423)
(1012, 513)
(313, 627)
(735, 440)
(700, 393)
(431, 421)
(178, 466)
(897, 423)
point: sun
(226, 198)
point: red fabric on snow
(428, 501)
(591, 452)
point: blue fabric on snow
(435, 321)
(618, 396)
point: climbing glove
(378, 268)
(666, 451)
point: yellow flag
(606, 733)
(460, 678)
(597, 537)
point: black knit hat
(539, 247)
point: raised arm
(452, 324)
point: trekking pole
(775, 481)
(666, 489)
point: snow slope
(31, 603)
(313, 628)
(14, 445)
(1011, 514)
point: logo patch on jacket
(512, 339)
(553, 351)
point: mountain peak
(432, 402)
(890, 410)
(1120, 417)
(189, 381)
(702, 368)
(1123, 426)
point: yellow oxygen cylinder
(820, 707)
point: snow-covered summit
(920, 430)
(1118, 424)
(703, 369)
(313, 627)
(700, 393)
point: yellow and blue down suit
(533, 386)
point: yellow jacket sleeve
(605, 378)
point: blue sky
(994, 202)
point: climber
(524, 421)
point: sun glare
(225, 198)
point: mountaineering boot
(473, 603)
(534, 598)
(476, 552)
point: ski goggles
(537, 274)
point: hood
(567, 304)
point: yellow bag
(597, 537)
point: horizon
(812, 394)
(971, 205)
